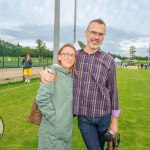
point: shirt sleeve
(44, 101)
(23, 61)
(113, 90)
(30, 62)
(116, 113)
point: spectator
(27, 67)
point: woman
(55, 102)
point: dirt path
(130, 67)
(16, 74)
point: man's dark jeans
(93, 130)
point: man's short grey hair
(100, 21)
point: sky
(127, 21)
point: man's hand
(114, 125)
(47, 76)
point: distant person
(145, 66)
(27, 67)
(142, 66)
(55, 102)
(95, 94)
(123, 65)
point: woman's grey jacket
(55, 102)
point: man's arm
(47, 76)
(30, 61)
(114, 98)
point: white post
(56, 30)
(75, 8)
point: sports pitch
(134, 121)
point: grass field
(134, 122)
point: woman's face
(67, 57)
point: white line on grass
(17, 87)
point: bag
(35, 116)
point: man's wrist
(116, 113)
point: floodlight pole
(56, 30)
(148, 57)
(3, 52)
(18, 54)
(75, 17)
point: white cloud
(128, 21)
(139, 43)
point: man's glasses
(94, 33)
(67, 55)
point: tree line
(41, 50)
(11, 50)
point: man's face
(95, 35)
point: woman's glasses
(67, 55)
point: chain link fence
(11, 63)
(8, 75)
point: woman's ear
(59, 57)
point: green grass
(134, 97)
(134, 121)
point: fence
(13, 62)
(16, 74)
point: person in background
(27, 68)
(55, 103)
(95, 94)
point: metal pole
(149, 57)
(75, 17)
(3, 52)
(56, 30)
(18, 55)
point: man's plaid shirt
(94, 86)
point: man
(27, 67)
(95, 95)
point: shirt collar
(97, 52)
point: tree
(132, 51)
(41, 47)
(81, 44)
